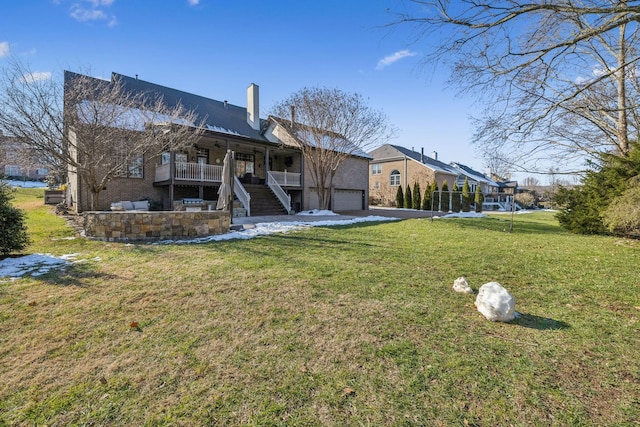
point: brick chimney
(253, 106)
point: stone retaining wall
(131, 225)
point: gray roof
(473, 174)
(218, 116)
(390, 151)
(345, 146)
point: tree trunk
(623, 136)
(324, 196)
(95, 197)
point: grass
(350, 325)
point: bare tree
(95, 128)
(531, 183)
(560, 77)
(13, 152)
(329, 126)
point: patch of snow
(38, 264)
(24, 184)
(222, 130)
(34, 265)
(266, 228)
(462, 215)
(123, 117)
(317, 212)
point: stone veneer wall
(131, 225)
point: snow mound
(317, 212)
(461, 285)
(496, 303)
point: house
(392, 166)
(350, 185)
(17, 163)
(270, 176)
(475, 179)
(498, 195)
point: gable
(280, 132)
(474, 175)
(390, 152)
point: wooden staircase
(263, 201)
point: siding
(411, 171)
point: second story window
(395, 178)
(376, 169)
(131, 165)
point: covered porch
(197, 172)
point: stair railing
(241, 193)
(282, 195)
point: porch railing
(189, 172)
(241, 193)
(283, 197)
(286, 179)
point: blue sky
(216, 48)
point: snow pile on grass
(266, 228)
(496, 303)
(317, 212)
(33, 265)
(460, 285)
(24, 184)
(38, 264)
(462, 215)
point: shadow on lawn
(79, 275)
(541, 323)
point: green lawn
(351, 325)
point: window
(395, 178)
(165, 158)
(244, 164)
(376, 169)
(42, 171)
(131, 165)
(376, 185)
(12, 170)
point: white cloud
(93, 10)
(98, 3)
(394, 57)
(193, 2)
(4, 49)
(81, 14)
(597, 71)
(36, 76)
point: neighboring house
(498, 195)
(15, 161)
(394, 166)
(475, 179)
(269, 173)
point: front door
(244, 165)
(202, 161)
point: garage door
(347, 200)
(314, 203)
